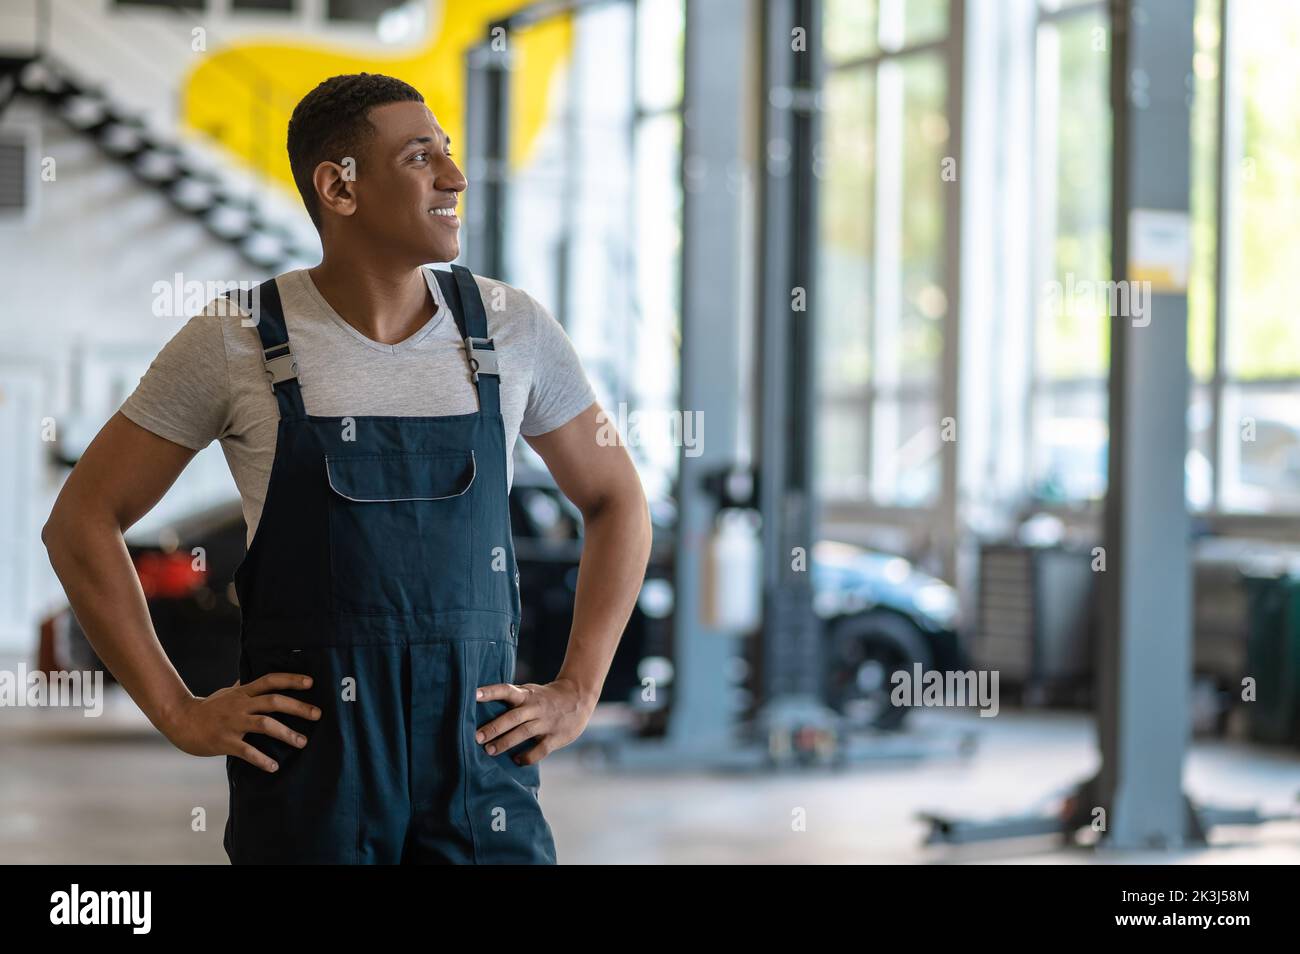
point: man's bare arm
(602, 481)
(123, 473)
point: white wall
(77, 331)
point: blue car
(880, 615)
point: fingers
(265, 725)
(512, 738)
(535, 754)
(278, 680)
(515, 695)
(504, 723)
(260, 699)
(254, 757)
(273, 702)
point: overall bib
(383, 567)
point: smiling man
(367, 407)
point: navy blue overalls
(383, 567)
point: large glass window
(1072, 124)
(593, 205)
(1201, 291)
(1243, 347)
(1259, 421)
(881, 267)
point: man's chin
(444, 252)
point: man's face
(408, 187)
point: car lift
(793, 727)
(1136, 799)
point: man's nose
(450, 178)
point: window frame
(1215, 517)
(1229, 119)
(1041, 386)
(942, 389)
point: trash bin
(1273, 655)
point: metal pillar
(791, 687)
(487, 119)
(714, 144)
(1144, 682)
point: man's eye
(419, 154)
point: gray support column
(715, 141)
(791, 634)
(950, 516)
(1145, 653)
(487, 122)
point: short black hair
(330, 123)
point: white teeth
(451, 211)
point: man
(367, 407)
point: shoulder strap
(461, 293)
(262, 302)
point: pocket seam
(329, 474)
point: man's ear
(335, 185)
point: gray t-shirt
(208, 382)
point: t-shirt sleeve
(560, 388)
(184, 396)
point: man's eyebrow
(421, 140)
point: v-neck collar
(410, 341)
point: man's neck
(385, 306)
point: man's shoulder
(236, 298)
(504, 298)
(227, 321)
(513, 315)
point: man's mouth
(448, 214)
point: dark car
(879, 613)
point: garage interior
(916, 316)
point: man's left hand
(555, 714)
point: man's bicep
(587, 467)
(560, 388)
(123, 473)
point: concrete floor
(111, 790)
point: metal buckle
(282, 367)
(481, 360)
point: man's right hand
(216, 724)
(121, 476)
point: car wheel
(864, 653)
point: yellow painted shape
(1162, 278)
(243, 93)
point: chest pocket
(400, 531)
